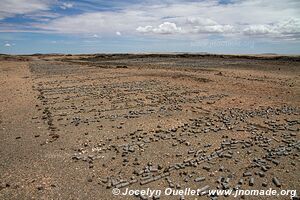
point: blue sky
(86, 26)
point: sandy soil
(75, 127)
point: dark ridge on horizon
(116, 56)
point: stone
(251, 181)
(276, 182)
(199, 179)
(247, 174)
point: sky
(132, 26)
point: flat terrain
(77, 126)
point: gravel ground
(77, 127)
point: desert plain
(79, 126)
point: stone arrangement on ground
(104, 122)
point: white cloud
(167, 28)
(291, 25)
(214, 29)
(283, 28)
(10, 8)
(201, 21)
(145, 29)
(164, 28)
(42, 16)
(193, 25)
(240, 17)
(258, 29)
(92, 23)
(66, 6)
(7, 45)
(206, 25)
(118, 33)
